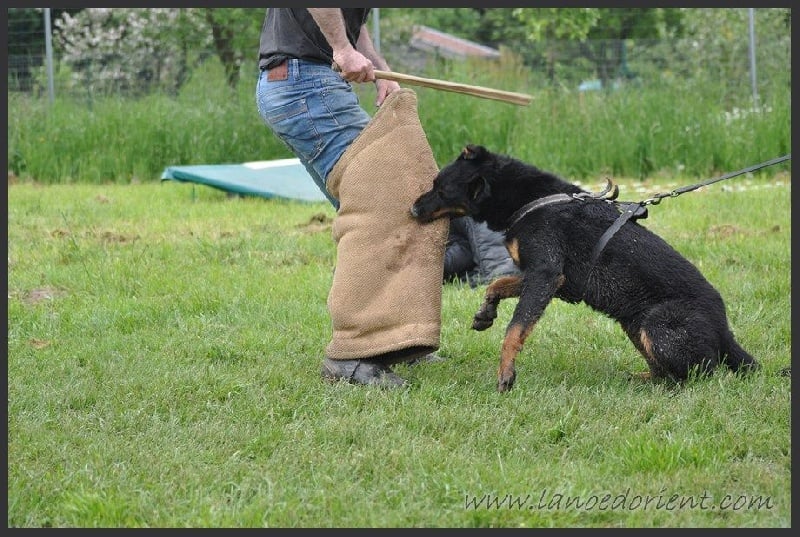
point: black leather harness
(629, 210)
(633, 210)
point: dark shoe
(367, 372)
(404, 356)
(429, 358)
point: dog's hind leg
(675, 341)
(505, 287)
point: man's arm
(354, 66)
(365, 47)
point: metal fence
(752, 63)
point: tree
(130, 49)
(717, 44)
(557, 39)
(234, 32)
(141, 49)
(601, 33)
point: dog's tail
(736, 358)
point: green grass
(163, 371)
(641, 131)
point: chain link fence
(41, 62)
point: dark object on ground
(476, 254)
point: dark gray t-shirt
(293, 33)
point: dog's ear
(478, 189)
(473, 152)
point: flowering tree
(137, 50)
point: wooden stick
(477, 91)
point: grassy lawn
(163, 371)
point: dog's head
(458, 188)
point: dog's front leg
(505, 287)
(538, 293)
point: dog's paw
(481, 323)
(505, 380)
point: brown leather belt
(279, 72)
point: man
(308, 59)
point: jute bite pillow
(386, 293)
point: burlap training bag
(386, 294)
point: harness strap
(609, 193)
(633, 211)
(534, 205)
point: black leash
(655, 200)
(639, 209)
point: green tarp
(283, 178)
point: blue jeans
(315, 112)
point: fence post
(48, 47)
(376, 29)
(753, 56)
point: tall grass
(163, 371)
(640, 131)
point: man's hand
(354, 66)
(384, 88)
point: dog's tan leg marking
(647, 352)
(513, 250)
(512, 346)
(505, 287)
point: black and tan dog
(672, 314)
